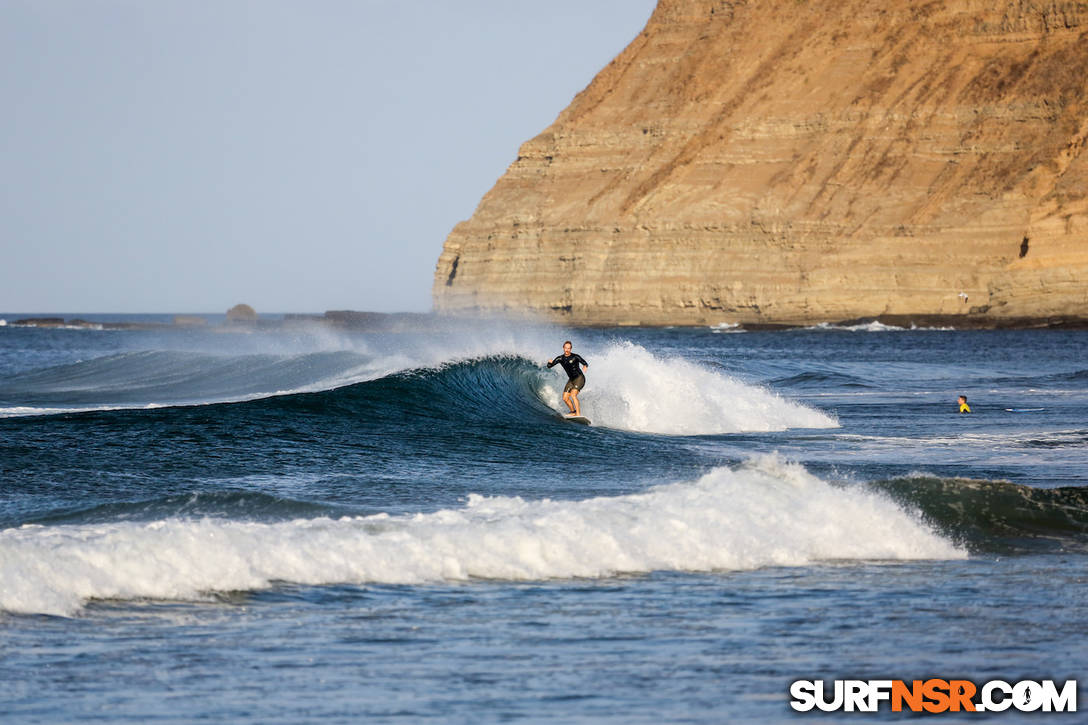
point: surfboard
(577, 419)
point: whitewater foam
(25, 411)
(630, 388)
(876, 326)
(766, 513)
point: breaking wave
(629, 388)
(764, 513)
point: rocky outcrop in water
(795, 161)
(241, 314)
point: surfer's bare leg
(577, 409)
(566, 399)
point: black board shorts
(578, 382)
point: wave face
(766, 513)
(629, 388)
(147, 378)
(998, 516)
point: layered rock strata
(798, 161)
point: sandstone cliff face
(796, 161)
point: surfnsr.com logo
(934, 695)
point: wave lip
(767, 513)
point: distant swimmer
(964, 407)
(570, 362)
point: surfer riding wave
(576, 379)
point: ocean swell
(997, 516)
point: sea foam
(765, 513)
(630, 388)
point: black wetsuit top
(570, 364)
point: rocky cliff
(796, 161)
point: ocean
(295, 524)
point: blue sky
(185, 155)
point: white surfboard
(576, 418)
